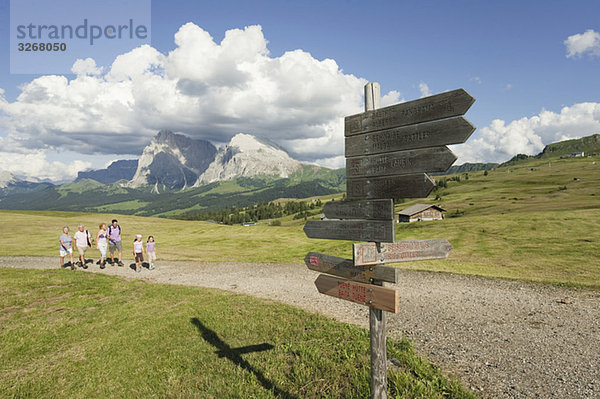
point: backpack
(110, 229)
(89, 238)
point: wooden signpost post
(388, 154)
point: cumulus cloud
(28, 164)
(424, 89)
(500, 141)
(202, 88)
(582, 43)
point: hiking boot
(151, 267)
(72, 266)
(102, 265)
(84, 266)
(120, 264)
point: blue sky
(512, 56)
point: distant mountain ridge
(118, 170)
(588, 145)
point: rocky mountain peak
(173, 160)
(245, 156)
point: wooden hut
(419, 212)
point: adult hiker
(114, 242)
(65, 247)
(83, 240)
(102, 243)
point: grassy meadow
(83, 335)
(535, 221)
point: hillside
(88, 195)
(589, 145)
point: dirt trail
(502, 339)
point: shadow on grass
(234, 355)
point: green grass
(83, 335)
(517, 222)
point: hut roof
(416, 208)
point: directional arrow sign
(374, 210)
(366, 253)
(345, 268)
(436, 159)
(351, 230)
(444, 105)
(371, 295)
(403, 186)
(422, 135)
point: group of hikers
(106, 239)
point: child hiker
(151, 251)
(138, 249)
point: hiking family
(107, 239)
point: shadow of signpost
(234, 355)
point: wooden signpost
(376, 210)
(366, 294)
(423, 135)
(368, 253)
(351, 230)
(347, 268)
(403, 186)
(435, 159)
(388, 154)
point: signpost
(376, 210)
(388, 153)
(351, 230)
(347, 268)
(435, 159)
(423, 135)
(368, 253)
(366, 294)
(439, 106)
(403, 186)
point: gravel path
(502, 339)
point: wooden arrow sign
(345, 268)
(366, 253)
(351, 230)
(422, 135)
(436, 159)
(374, 210)
(403, 186)
(371, 295)
(439, 106)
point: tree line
(254, 213)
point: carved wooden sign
(439, 106)
(367, 253)
(422, 135)
(351, 230)
(382, 209)
(370, 295)
(345, 268)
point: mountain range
(177, 174)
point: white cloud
(424, 89)
(201, 88)
(581, 43)
(500, 141)
(86, 67)
(477, 80)
(34, 165)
